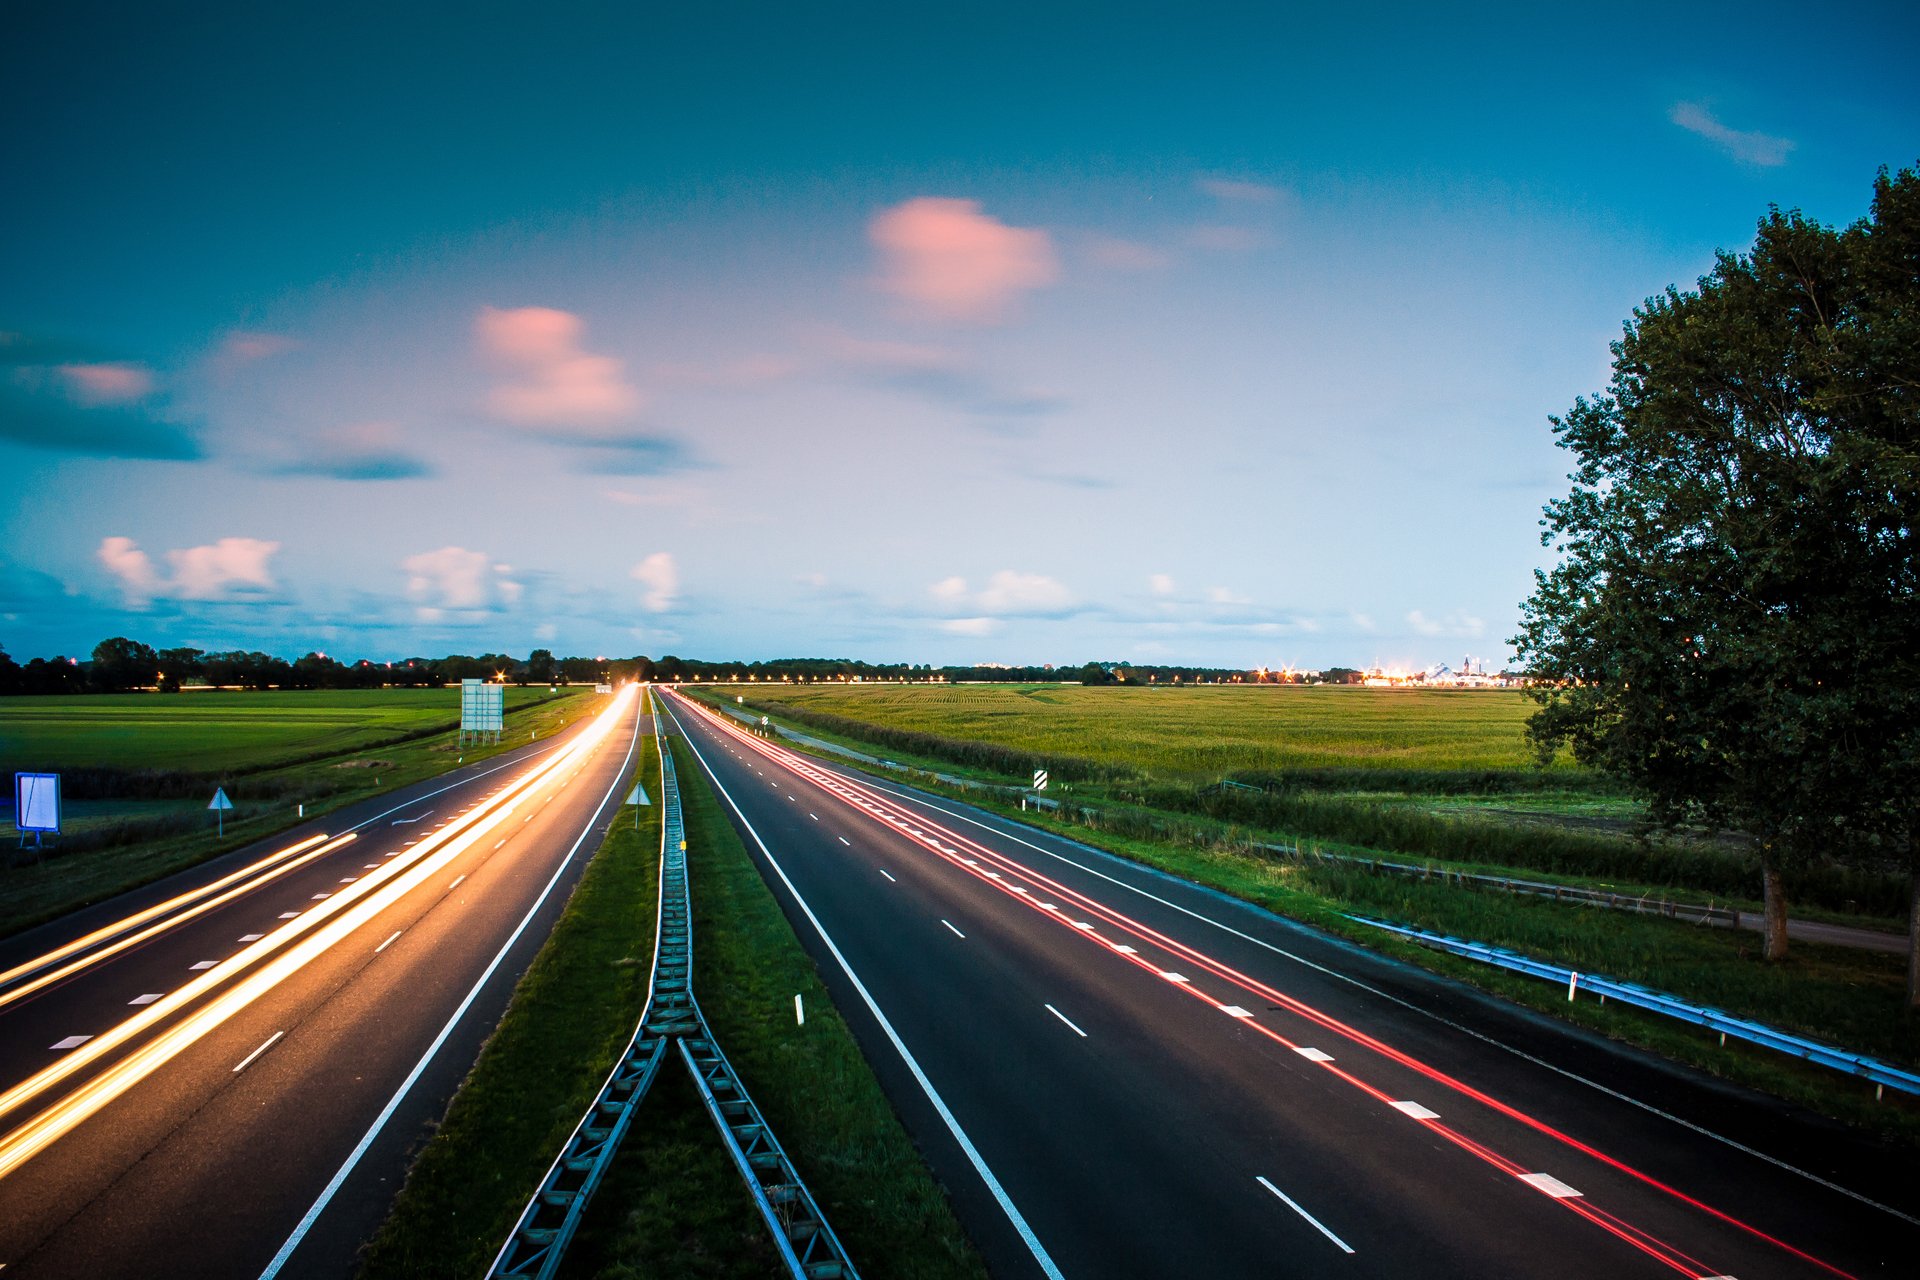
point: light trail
(154, 930)
(139, 918)
(906, 822)
(325, 926)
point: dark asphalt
(1129, 1118)
(204, 1170)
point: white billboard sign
(36, 801)
(483, 707)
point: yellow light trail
(139, 918)
(335, 919)
(154, 930)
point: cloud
(940, 375)
(362, 451)
(552, 383)
(459, 580)
(661, 578)
(1753, 148)
(243, 347)
(1161, 584)
(950, 261)
(97, 384)
(1457, 623)
(66, 399)
(223, 570)
(1008, 593)
(1223, 595)
(970, 626)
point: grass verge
(36, 891)
(810, 1082)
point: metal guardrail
(1884, 1075)
(547, 1225)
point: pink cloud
(212, 572)
(953, 262)
(661, 579)
(459, 579)
(243, 347)
(554, 383)
(96, 384)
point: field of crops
(1204, 732)
(214, 732)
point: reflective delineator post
(1573, 984)
(799, 1012)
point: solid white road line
(389, 942)
(1064, 1018)
(1294, 1205)
(956, 932)
(248, 1060)
(354, 1157)
(999, 1193)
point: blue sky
(1218, 334)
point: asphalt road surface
(224, 1074)
(1118, 1073)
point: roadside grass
(811, 1082)
(112, 854)
(1844, 996)
(570, 1017)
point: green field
(1203, 732)
(216, 732)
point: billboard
(483, 707)
(36, 801)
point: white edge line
(1317, 1224)
(925, 801)
(389, 942)
(419, 1068)
(1069, 1021)
(248, 1060)
(956, 932)
(972, 1153)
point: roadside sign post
(36, 806)
(220, 804)
(636, 798)
(1039, 779)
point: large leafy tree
(1732, 626)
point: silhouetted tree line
(118, 665)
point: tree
(120, 663)
(1732, 626)
(539, 667)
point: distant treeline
(119, 664)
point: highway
(224, 1074)
(1118, 1073)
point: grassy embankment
(138, 770)
(672, 1203)
(1847, 996)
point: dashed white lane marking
(149, 998)
(456, 883)
(318, 896)
(288, 915)
(795, 799)
(1417, 1111)
(1234, 1011)
(389, 942)
(1550, 1185)
(1046, 906)
(252, 937)
(1171, 976)
(71, 1042)
(814, 816)
(203, 964)
(883, 871)
(1294, 1205)
(956, 932)
(1127, 951)
(248, 1060)
(846, 842)
(348, 879)
(1019, 890)
(1083, 924)
(1064, 1018)
(501, 843)
(1312, 1055)
(370, 866)
(994, 875)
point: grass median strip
(810, 1082)
(672, 1202)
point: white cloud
(1457, 623)
(454, 579)
(661, 578)
(1224, 595)
(1007, 593)
(1754, 148)
(217, 571)
(970, 626)
(1161, 584)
